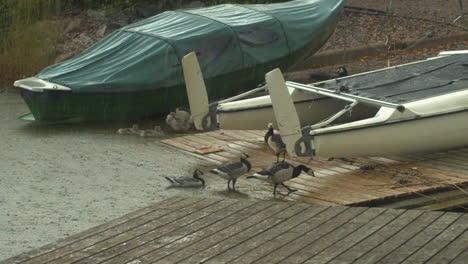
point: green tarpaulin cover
(147, 54)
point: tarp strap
(275, 18)
(219, 22)
(168, 41)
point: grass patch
(29, 36)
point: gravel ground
(57, 180)
(360, 28)
(371, 63)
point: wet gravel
(403, 20)
(57, 180)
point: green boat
(136, 71)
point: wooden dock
(355, 181)
(202, 230)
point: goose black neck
(246, 162)
(196, 176)
(268, 134)
(297, 170)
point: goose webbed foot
(290, 190)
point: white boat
(420, 107)
(255, 113)
(416, 107)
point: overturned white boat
(419, 107)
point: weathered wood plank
(395, 241)
(142, 245)
(105, 253)
(305, 238)
(98, 230)
(335, 242)
(461, 258)
(452, 250)
(460, 202)
(309, 225)
(91, 239)
(202, 230)
(158, 249)
(358, 249)
(215, 238)
(251, 244)
(450, 233)
(191, 151)
(243, 235)
(87, 249)
(419, 240)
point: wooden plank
(215, 238)
(191, 150)
(419, 240)
(338, 185)
(98, 230)
(396, 240)
(334, 190)
(455, 203)
(158, 249)
(141, 247)
(193, 147)
(86, 249)
(251, 244)
(243, 235)
(110, 232)
(359, 249)
(332, 244)
(313, 200)
(339, 181)
(426, 199)
(316, 193)
(264, 250)
(461, 259)
(289, 249)
(450, 233)
(105, 253)
(452, 250)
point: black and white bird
(275, 142)
(182, 181)
(342, 71)
(281, 172)
(231, 171)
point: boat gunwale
(386, 123)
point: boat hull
(309, 112)
(424, 134)
(64, 106)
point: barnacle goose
(275, 142)
(195, 180)
(281, 172)
(231, 171)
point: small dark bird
(195, 180)
(342, 71)
(275, 142)
(281, 172)
(231, 171)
